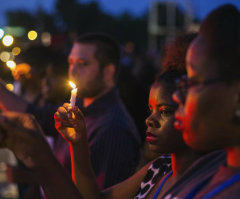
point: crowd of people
(192, 133)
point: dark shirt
(113, 139)
(112, 135)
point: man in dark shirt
(112, 135)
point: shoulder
(158, 168)
(225, 184)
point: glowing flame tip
(72, 84)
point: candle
(73, 94)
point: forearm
(10, 101)
(55, 182)
(25, 139)
(82, 172)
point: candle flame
(72, 84)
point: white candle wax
(73, 97)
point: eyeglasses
(184, 83)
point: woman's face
(161, 135)
(206, 116)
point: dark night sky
(136, 7)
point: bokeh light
(11, 64)
(5, 56)
(1, 33)
(10, 87)
(22, 70)
(16, 51)
(7, 40)
(46, 39)
(32, 35)
(15, 31)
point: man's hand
(22, 134)
(70, 123)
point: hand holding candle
(73, 94)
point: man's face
(84, 70)
(206, 115)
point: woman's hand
(70, 123)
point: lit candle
(73, 94)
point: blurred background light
(16, 31)
(5, 56)
(11, 64)
(16, 51)
(1, 33)
(10, 87)
(7, 40)
(46, 39)
(32, 35)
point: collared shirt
(113, 138)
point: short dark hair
(169, 78)
(107, 49)
(221, 29)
